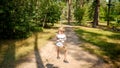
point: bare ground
(45, 57)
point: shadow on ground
(39, 62)
(48, 65)
(7, 54)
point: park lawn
(103, 43)
(12, 51)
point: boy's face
(60, 31)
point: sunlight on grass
(94, 49)
(102, 34)
(97, 31)
(100, 42)
(27, 46)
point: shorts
(59, 44)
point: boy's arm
(56, 38)
(65, 38)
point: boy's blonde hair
(61, 29)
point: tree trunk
(77, 3)
(44, 23)
(69, 11)
(108, 19)
(81, 3)
(96, 13)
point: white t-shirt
(60, 39)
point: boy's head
(61, 29)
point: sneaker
(58, 57)
(65, 61)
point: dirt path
(77, 57)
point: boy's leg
(58, 51)
(65, 55)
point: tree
(17, 18)
(108, 15)
(78, 14)
(96, 12)
(50, 12)
(69, 10)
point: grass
(103, 43)
(12, 51)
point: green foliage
(118, 19)
(50, 13)
(78, 14)
(117, 8)
(102, 13)
(15, 19)
(91, 10)
(114, 15)
(18, 19)
(53, 13)
(36, 29)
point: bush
(17, 19)
(36, 29)
(51, 14)
(78, 14)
